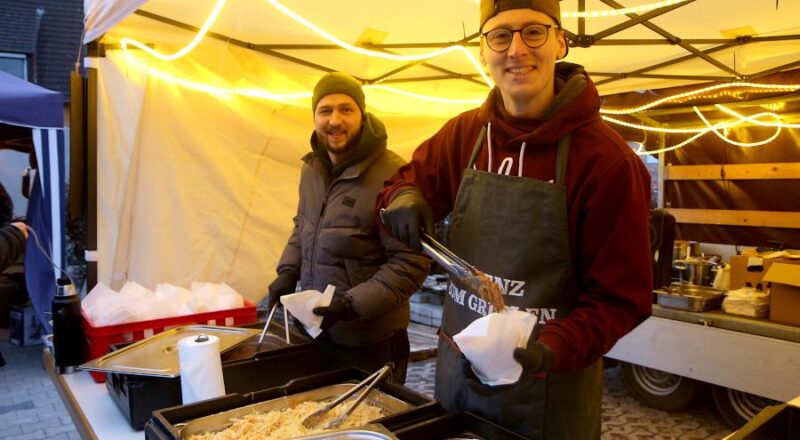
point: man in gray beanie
(537, 188)
(336, 240)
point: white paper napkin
(301, 306)
(489, 343)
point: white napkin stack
(489, 343)
(302, 304)
(134, 303)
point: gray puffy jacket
(336, 240)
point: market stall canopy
(23, 104)
(685, 42)
(204, 107)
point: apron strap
(561, 155)
(477, 148)
(446, 338)
(561, 158)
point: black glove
(341, 309)
(407, 215)
(536, 359)
(285, 283)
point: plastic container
(99, 339)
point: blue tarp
(28, 105)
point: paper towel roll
(200, 367)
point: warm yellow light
(377, 54)
(622, 11)
(725, 138)
(755, 118)
(692, 93)
(715, 128)
(616, 12)
(425, 97)
(192, 44)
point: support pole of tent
(91, 178)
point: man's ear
(562, 46)
(481, 53)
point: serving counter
(89, 404)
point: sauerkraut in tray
(286, 423)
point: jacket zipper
(317, 232)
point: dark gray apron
(515, 230)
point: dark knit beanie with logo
(490, 8)
(338, 82)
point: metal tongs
(266, 326)
(373, 379)
(466, 273)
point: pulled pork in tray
(287, 422)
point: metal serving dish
(691, 298)
(366, 432)
(158, 355)
(222, 420)
(407, 406)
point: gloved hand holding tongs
(410, 220)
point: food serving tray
(691, 298)
(157, 355)
(366, 432)
(222, 420)
(173, 423)
(449, 426)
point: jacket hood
(576, 104)
(371, 139)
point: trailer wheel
(738, 407)
(658, 389)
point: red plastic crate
(99, 339)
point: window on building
(15, 64)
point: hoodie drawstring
(502, 164)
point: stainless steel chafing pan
(222, 420)
(366, 432)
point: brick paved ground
(30, 407)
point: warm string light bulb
(125, 42)
(377, 54)
(725, 127)
(258, 93)
(718, 89)
(765, 88)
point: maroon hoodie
(608, 196)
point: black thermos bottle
(67, 330)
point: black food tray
(451, 425)
(274, 365)
(165, 423)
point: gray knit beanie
(338, 82)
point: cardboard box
(24, 328)
(784, 292)
(751, 269)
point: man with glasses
(552, 204)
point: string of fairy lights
(720, 129)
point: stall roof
(28, 105)
(686, 42)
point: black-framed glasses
(533, 35)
